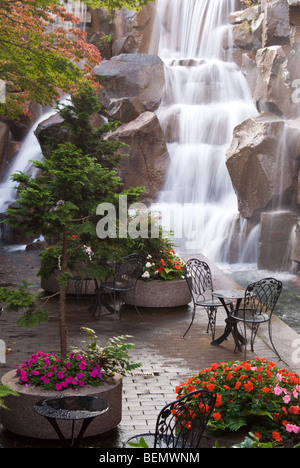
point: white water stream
(206, 96)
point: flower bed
(165, 265)
(53, 372)
(256, 395)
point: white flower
(149, 256)
(146, 274)
(148, 265)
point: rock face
(148, 158)
(130, 76)
(263, 159)
(259, 165)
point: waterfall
(206, 96)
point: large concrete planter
(160, 294)
(21, 419)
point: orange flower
(294, 410)
(210, 387)
(217, 416)
(238, 385)
(218, 401)
(248, 387)
(257, 435)
(276, 436)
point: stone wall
(264, 157)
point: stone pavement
(166, 358)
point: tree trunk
(62, 298)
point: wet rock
(148, 158)
(131, 76)
(258, 164)
(275, 240)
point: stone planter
(160, 294)
(81, 287)
(21, 419)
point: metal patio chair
(259, 303)
(180, 424)
(199, 279)
(127, 272)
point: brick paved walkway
(166, 358)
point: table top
(229, 293)
(71, 407)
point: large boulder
(276, 230)
(271, 77)
(126, 76)
(276, 29)
(148, 157)
(259, 165)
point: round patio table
(231, 325)
(71, 408)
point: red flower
(217, 416)
(276, 436)
(248, 387)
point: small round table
(234, 294)
(71, 408)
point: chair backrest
(198, 277)
(182, 423)
(261, 297)
(129, 269)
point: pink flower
(60, 374)
(58, 386)
(287, 399)
(292, 428)
(278, 390)
(82, 365)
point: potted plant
(162, 283)
(255, 395)
(95, 371)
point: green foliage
(113, 4)
(140, 444)
(21, 299)
(113, 357)
(80, 131)
(254, 394)
(4, 392)
(39, 56)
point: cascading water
(30, 151)
(206, 96)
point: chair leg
(211, 314)
(190, 323)
(271, 340)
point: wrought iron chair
(259, 303)
(199, 279)
(127, 272)
(180, 424)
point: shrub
(253, 394)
